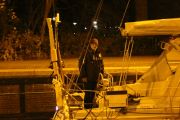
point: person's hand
(84, 79)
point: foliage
(8, 19)
(15, 45)
(31, 13)
(71, 45)
(23, 46)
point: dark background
(21, 37)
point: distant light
(104, 35)
(96, 27)
(74, 23)
(57, 108)
(74, 33)
(53, 18)
(95, 22)
(109, 27)
(85, 28)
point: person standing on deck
(90, 66)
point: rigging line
(132, 43)
(77, 101)
(81, 105)
(123, 61)
(73, 83)
(100, 6)
(124, 14)
(72, 78)
(92, 108)
(56, 114)
(95, 18)
(76, 81)
(90, 33)
(127, 54)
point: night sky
(82, 12)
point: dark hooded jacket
(92, 65)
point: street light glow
(74, 23)
(57, 108)
(95, 22)
(53, 18)
(96, 27)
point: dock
(40, 68)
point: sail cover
(152, 27)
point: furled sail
(152, 27)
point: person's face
(94, 46)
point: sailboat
(155, 95)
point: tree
(47, 9)
(31, 14)
(8, 20)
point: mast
(58, 81)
